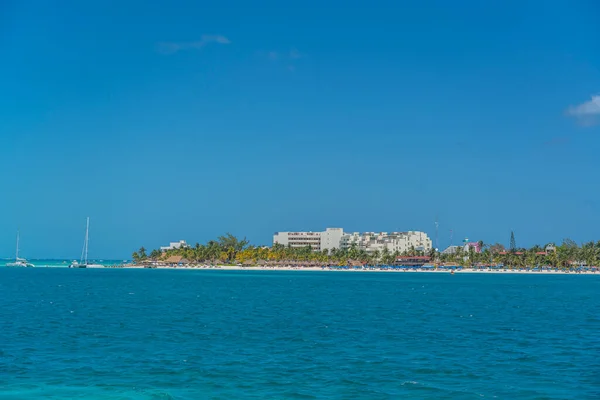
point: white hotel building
(175, 245)
(335, 238)
(330, 239)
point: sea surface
(173, 334)
(54, 263)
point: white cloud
(291, 55)
(288, 57)
(586, 113)
(174, 47)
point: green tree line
(230, 249)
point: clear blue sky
(189, 119)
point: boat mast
(87, 237)
(17, 252)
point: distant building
(413, 261)
(392, 241)
(175, 245)
(335, 238)
(451, 250)
(473, 245)
(298, 239)
(331, 238)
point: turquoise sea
(42, 263)
(169, 334)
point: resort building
(298, 239)
(466, 247)
(393, 241)
(413, 261)
(175, 245)
(335, 238)
(331, 238)
(451, 250)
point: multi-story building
(331, 238)
(298, 239)
(335, 238)
(394, 241)
(175, 245)
(451, 250)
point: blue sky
(188, 119)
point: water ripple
(147, 334)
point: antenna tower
(437, 247)
(513, 244)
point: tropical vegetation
(229, 249)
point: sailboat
(19, 262)
(83, 262)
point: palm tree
(395, 255)
(231, 245)
(363, 256)
(482, 246)
(353, 253)
(142, 253)
(433, 255)
(531, 259)
(375, 257)
(229, 248)
(386, 257)
(412, 252)
(155, 254)
(458, 256)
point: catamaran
(83, 262)
(19, 262)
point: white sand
(398, 271)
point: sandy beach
(385, 270)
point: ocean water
(169, 334)
(42, 263)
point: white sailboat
(19, 262)
(83, 262)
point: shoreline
(398, 270)
(329, 269)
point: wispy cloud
(587, 113)
(174, 47)
(287, 57)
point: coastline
(352, 270)
(398, 270)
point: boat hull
(19, 265)
(86, 266)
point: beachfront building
(468, 245)
(465, 248)
(472, 245)
(327, 240)
(331, 238)
(335, 238)
(175, 245)
(298, 239)
(413, 261)
(451, 250)
(400, 242)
